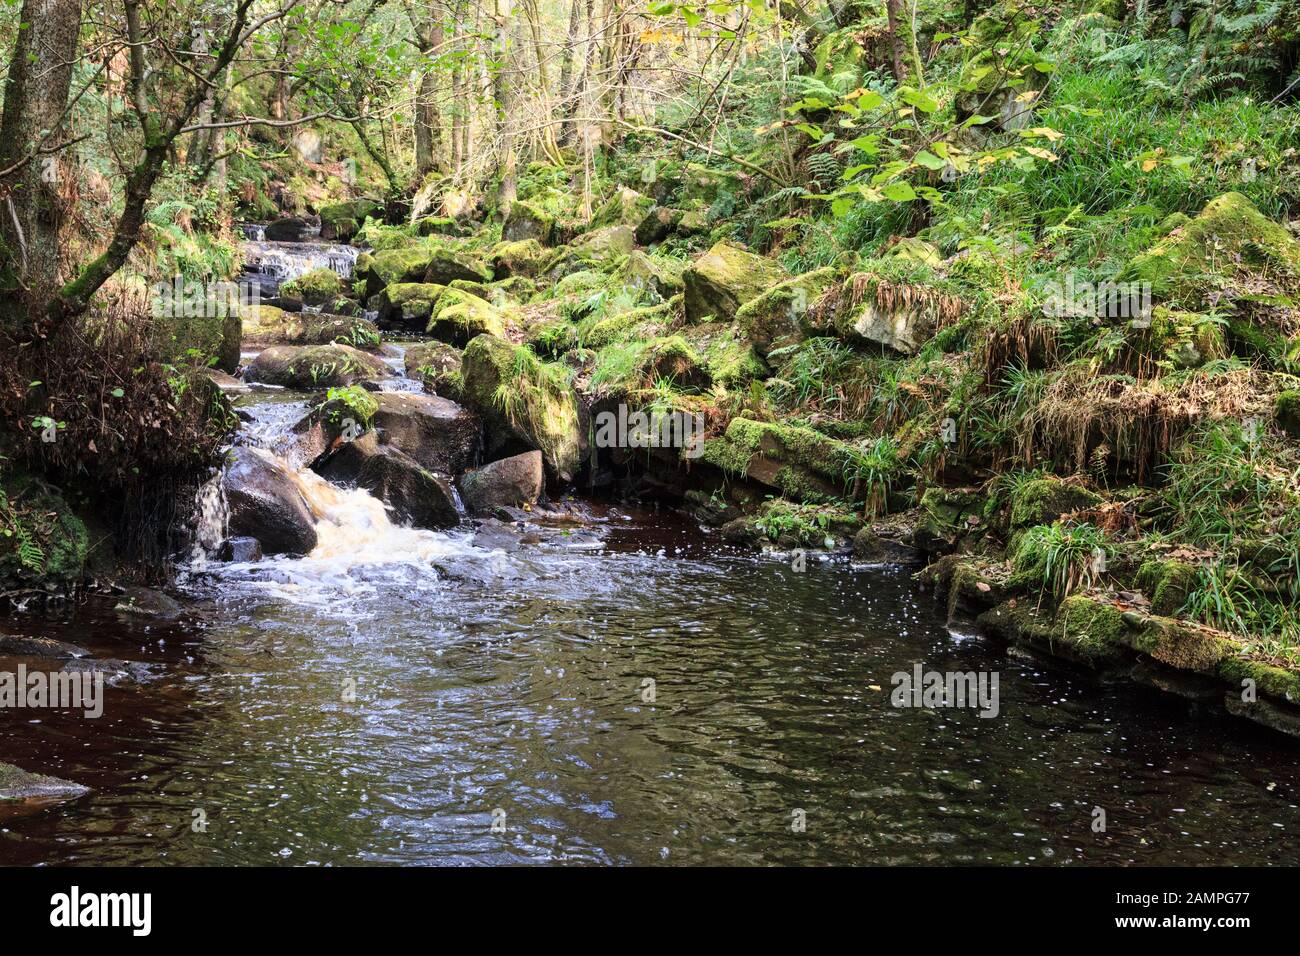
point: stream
(624, 689)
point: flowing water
(622, 689)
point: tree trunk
(31, 208)
(503, 91)
(897, 50)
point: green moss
(633, 325)
(772, 319)
(1168, 582)
(380, 269)
(1287, 409)
(1228, 238)
(723, 279)
(522, 258)
(1090, 627)
(800, 462)
(1269, 679)
(460, 316)
(349, 402)
(410, 302)
(1043, 500)
(1181, 645)
(314, 287)
(513, 389)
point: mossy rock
(945, 517)
(341, 221)
(1287, 409)
(527, 221)
(447, 265)
(438, 226)
(1093, 629)
(521, 405)
(308, 367)
(381, 269)
(314, 287)
(801, 463)
(408, 305)
(1277, 682)
(626, 207)
(45, 545)
(1044, 500)
(726, 277)
(729, 358)
(1180, 644)
(1228, 239)
(522, 258)
(648, 273)
(772, 320)
(437, 365)
(460, 316)
(634, 325)
(1168, 582)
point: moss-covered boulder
(643, 273)
(342, 221)
(267, 325)
(315, 287)
(436, 365)
(522, 258)
(634, 325)
(438, 226)
(527, 221)
(1168, 582)
(773, 318)
(460, 316)
(447, 264)
(381, 269)
(1044, 500)
(599, 249)
(802, 464)
(1287, 409)
(946, 517)
(1227, 241)
(1090, 627)
(625, 207)
(408, 306)
(308, 367)
(728, 357)
(524, 403)
(726, 277)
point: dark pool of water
(513, 684)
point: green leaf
(929, 161)
(922, 101)
(899, 191)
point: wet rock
(290, 229)
(884, 545)
(803, 464)
(113, 671)
(546, 416)
(266, 503)
(314, 366)
(146, 602)
(416, 495)
(22, 646)
(435, 432)
(510, 482)
(18, 784)
(437, 365)
(726, 277)
(314, 287)
(241, 550)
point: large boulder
(308, 367)
(774, 318)
(803, 464)
(267, 325)
(526, 221)
(522, 258)
(407, 306)
(342, 221)
(313, 287)
(626, 207)
(509, 483)
(460, 316)
(383, 268)
(870, 310)
(266, 503)
(726, 277)
(663, 277)
(523, 404)
(416, 495)
(435, 432)
(290, 229)
(447, 265)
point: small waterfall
(211, 513)
(274, 263)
